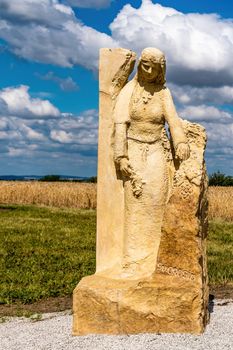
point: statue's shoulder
(126, 92)
(166, 93)
(129, 86)
(165, 90)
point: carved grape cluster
(178, 179)
(186, 190)
(166, 145)
(182, 183)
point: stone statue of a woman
(143, 107)
(151, 271)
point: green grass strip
(220, 252)
(44, 252)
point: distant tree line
(215, 179)
(220, 179)
(50, 178)
(54, 178)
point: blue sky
(49, 75)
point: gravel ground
(53, 332)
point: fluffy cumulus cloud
(80, 131)
(211, 107)
(98, 4)
(204, 104)
(219, 127)
(186, 94)
(54, 36)
(17, 101)
(199, 47)
(192, 42)
(35, 129)
(218, 124)
(220, 147)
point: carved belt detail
(145, 149)
(144, 146)
(143, 141)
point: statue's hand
(182, 151)
(125, 167)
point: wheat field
(52, 194)
(83, 196)
(220, 202)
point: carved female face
(152, 66)
(149, 70)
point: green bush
(50, 178)
(219, 179)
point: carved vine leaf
(122, 75)
(166, 145)
(137, 184)
(189, 173)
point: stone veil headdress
(154, 56)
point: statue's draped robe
(140, 115)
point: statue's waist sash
(145, 132)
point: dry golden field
(221, 202)
(83, 196)
(53, 194)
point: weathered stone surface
(114, 68)
(151, 271)
(165, 303)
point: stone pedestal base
(163, 304)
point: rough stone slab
(164, 304)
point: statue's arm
(121, 122)
(120, 127)
(179, 139)
(120, 141)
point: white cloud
(65, 84)
(31, 137)
(18, 102)
(32, 127)
(199, 47)
(80, 130)
(13, 135)
(209, 114)
(15, 152)
(220, 139)
(88, 120)
(54, 36)
(61, 136)
(31, 134)
(33, 120)
(26, 11)
(3, 123)
(199, 95)
(219, 128)
(89, 3)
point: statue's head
(152, 66)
